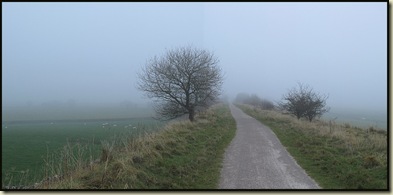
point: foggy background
(75, 54)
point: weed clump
(370, 162)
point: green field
(27, 145)
(358, 118)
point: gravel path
(255, 159)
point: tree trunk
(191, 114)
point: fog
(90, 53)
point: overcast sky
(91, 52)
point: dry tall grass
(357, 138)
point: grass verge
(335, 156)
(183, 155)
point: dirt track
(255, 159)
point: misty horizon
(90, 53)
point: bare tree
(304, 102)
(181, 82)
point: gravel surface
(255, 159)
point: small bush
(347, 125)
(304, 102)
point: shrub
(304, 102)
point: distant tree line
(254, 100)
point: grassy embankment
(336, 156)
(183, 155)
